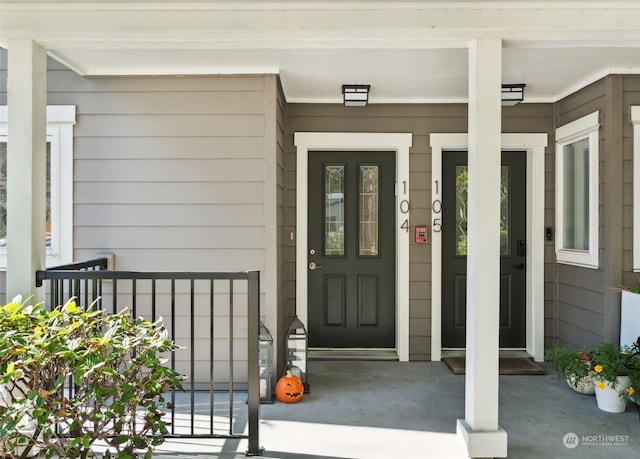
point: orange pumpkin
(289, 388)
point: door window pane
(368, 222)
(505, 218)
(462, 188)
(334, 211)
(576, 195)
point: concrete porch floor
(383, 409)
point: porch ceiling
(408, 51)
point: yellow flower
(601, 385)
(597, 368)
(631, 390)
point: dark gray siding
(282, 319)
(587, 310)
(421, 121)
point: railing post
(253, 362)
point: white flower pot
(608, 398)
(584, 385)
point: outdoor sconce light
(297, 351)
(512, 94)
(265, 359)
(355, 95)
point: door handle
(313, 266)
(519, 266)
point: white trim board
(534, 146)
(399, 144)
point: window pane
(368, 242)
(334, 210)
(48, 204)
(462, 187)
(505, 218)
(576, 195)
(3, 195)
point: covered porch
(419, 57)
(383, 409)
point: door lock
(313, 266)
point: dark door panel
(512, 250)
(351, 249)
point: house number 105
(436, 207)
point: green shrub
(117, 365)
(573, 365)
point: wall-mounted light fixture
(355, 95)
(512, 94)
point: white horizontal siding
(172, 103)
(230, 193)
(126, 125)
(168, 147)
(170, 170)
(193, 215)
(169, 175)
(176, 237)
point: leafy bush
(116, 365)
(572, 365)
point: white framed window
(59, 218)
(577, 192)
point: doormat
(508, 366)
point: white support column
(479, 432)
(26, 165)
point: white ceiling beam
(50, 22)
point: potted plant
(574, 366)
(633, 366)
(71, 377)
(616, 371)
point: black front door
(351, 249)
(512, 249)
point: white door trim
(534, 146)
(397, 143)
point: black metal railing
(218, 401)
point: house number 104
(404, 207)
